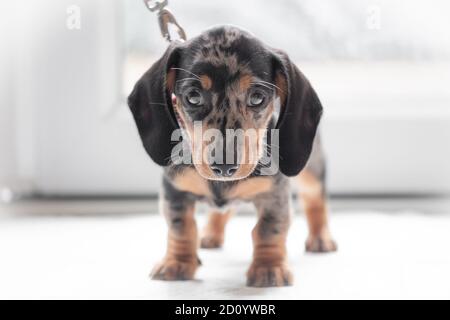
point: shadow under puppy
(227, 79)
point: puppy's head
(224, 89)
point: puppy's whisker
(262, 85)
(260, 82)
(196, 76)
(269, 83)
(270, 146)
(186, 79)
(157, 103)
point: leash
(165, 18)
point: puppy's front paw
(172, 270)
(211, 242)
(320, 243)
(269, 276)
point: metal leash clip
(165, 17)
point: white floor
(381, 255)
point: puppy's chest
(220, 193)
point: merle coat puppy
(226, 79)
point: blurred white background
(381, 68)
(69, 146)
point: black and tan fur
(226, 65)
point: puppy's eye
(256, 99)
(194, 98)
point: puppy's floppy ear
(151, 105)
(300, 115)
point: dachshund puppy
(219, 82)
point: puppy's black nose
(224, 170)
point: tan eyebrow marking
(280, 81)
(245, 82)
(170, 80)
(206, 82)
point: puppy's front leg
(269, 267)
(181, 261)
(214, 231)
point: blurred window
(309, 30)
